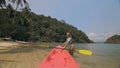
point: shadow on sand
(2, 61)
(22, 49)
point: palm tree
(18, 2)
(2, 3)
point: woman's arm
(65, 44)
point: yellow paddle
(85, 52)
(82, 51)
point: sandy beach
(20, 55)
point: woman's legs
(71, 49)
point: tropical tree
(2, 3)
(18, 2)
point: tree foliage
(25, 25)
(113, 39)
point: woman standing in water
(68, 42)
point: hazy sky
(99, 19)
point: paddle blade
(85, 52)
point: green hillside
(25, 25)
(114, 39)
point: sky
(98, 19)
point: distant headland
(113, 39)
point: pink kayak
(59, 58)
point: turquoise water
(101, 49)
(104, 56)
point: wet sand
(97, 62)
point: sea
(104, 55)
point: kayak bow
(59, 58)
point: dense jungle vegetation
(24, 25)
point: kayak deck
(59, 58)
